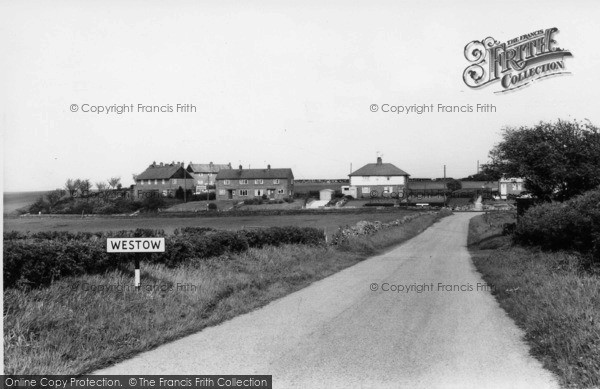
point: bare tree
(101, 185)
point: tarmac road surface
(339, 333)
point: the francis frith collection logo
(515, 63)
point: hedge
(33, 260)
(571, 225)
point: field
(329, 222)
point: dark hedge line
(571, 225)
(33, 260)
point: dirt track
(340, 333)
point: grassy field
(80, 324)
(330, 222)
(549, 297)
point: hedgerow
(571, 225)
(33, 260)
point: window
(200, 182)
(148, 182)
(365, 189)
(226, 182)
(280, 191)
(258, 182)
(174, 181)
(222, 192)
(163, 181)
(243, 182)
(155, 182)
(259, 192)
(388, 178)
(243, 192)
(275, 182)
(142, 182)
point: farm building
(205, 174)
(163, 179)
(377, 180)
(241, 184)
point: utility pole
(444, 172)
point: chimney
(268, 167)
(161, 164)
(240, 167)
(379, 160)
(230, 165)
(153, 164)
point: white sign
(135, 245)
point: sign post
(135, 245)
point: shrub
(572, 225)
(153, 203)
(212, 207)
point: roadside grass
(81, 324)
(549, 296)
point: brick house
(163, 179)
(377, 180)
(241, 184)
(205, 174)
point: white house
(512, 186)
(377, 180)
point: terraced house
(163, 179)
(241, 184)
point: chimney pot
(269, 167)
(240, 167)
(379, 160)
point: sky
(290, 84)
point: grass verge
(548, 295)
(80, 324)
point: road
(338, 333)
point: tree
(113, 182)
(54, 197)
(556, 160)
(453, 185)
(71, 187)
(101, 185)
(85, 186)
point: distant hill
(17, 200)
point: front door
(230, 194)
(271, 193)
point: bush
(275, 236)
(212, 207)
(153, 203)
(572, 225)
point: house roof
(165, 172)
(207, 167)
(379, 169)
(252, 174)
